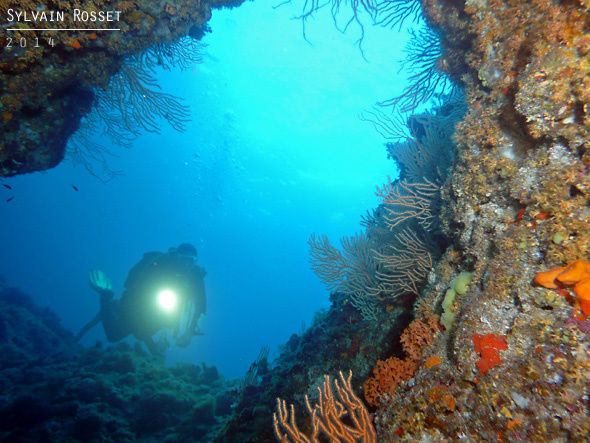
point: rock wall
(46, 90)
(514, 365)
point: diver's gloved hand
(100, 282)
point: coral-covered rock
(386, 377)
(47, 87)
(390, 373)
(517, 205)
(55, 390)
(420, 334)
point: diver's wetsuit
(154, 272)
(137, 313)
(114, 324)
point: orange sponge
(576, 274)
(547, 278)
(582, 291)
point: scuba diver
(162, 291)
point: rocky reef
(514, 365)
(48, 85)
(463, 315)
(510, 358)
(56, 390)
(344, 340)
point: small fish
(7, 186)
(75, 188)
(9, 199)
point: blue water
(275, 151)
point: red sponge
(488, 346)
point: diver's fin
(88, 326)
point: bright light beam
(167, 300)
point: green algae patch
(559, 237)
(461, 282)
(459, 286)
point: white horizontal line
(63, 29)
